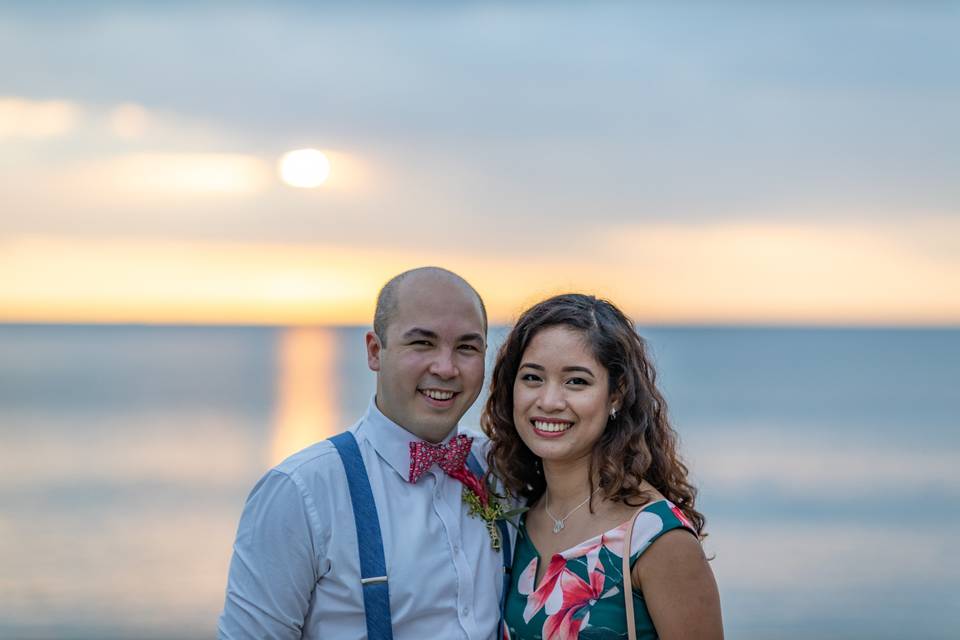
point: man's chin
(437, 427)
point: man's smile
(439, 398)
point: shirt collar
(390, 440)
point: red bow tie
(450, 457)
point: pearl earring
(613, 414)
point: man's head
(427, 347)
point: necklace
(558, 523)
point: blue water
(826, 461)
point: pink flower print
(526, 581)
(589, 549)
(646, 526)
(681, 516)
(613, 540)
(549, 589)
(564, 622)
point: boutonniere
(486, 504)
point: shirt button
(465, 610)
(456, 548)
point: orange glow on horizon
(721, 274)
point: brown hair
(638, 444)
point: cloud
(37, 119)
(664, 111)
(797, 271)
(129, 120)
(146, 176)
(695, 165)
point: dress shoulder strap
(654, 520)
(647, 524)
(373, 567)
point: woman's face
(560, 398)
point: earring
(613, 414)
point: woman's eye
(578, 381)
(530, 377)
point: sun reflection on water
(307, 390)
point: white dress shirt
(295, 571)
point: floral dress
(581, 593)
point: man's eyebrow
(417, 332)
(471, 337)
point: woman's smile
(550, 427)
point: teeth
(437, 395)
(552, 427)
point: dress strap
(373, 567)
(669, 516)
(505, 552)
(628, 579)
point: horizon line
(706, 325)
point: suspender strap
(373, 567)
(477, 470)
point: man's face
(431, 369)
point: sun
(304, 168)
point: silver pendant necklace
(558, 523)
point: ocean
(828, 462)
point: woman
(579, 430)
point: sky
(703, 163)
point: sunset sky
(728, 162)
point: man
(296, 570)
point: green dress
(581, 593)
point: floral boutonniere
(486, 504)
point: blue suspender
(504, 541)
(373, 568)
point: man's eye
(469, 347)
(421, 343)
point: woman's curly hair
(639, 444)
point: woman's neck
(567, 482)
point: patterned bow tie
(450, 457)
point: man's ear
(373, 351)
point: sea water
(827, 461)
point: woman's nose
(552, 398)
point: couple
(390, 530)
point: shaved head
(390, 294)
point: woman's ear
(616, 401)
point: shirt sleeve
(275, 564)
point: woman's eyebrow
(539, 367)
(574, 368)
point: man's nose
(443, 365)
